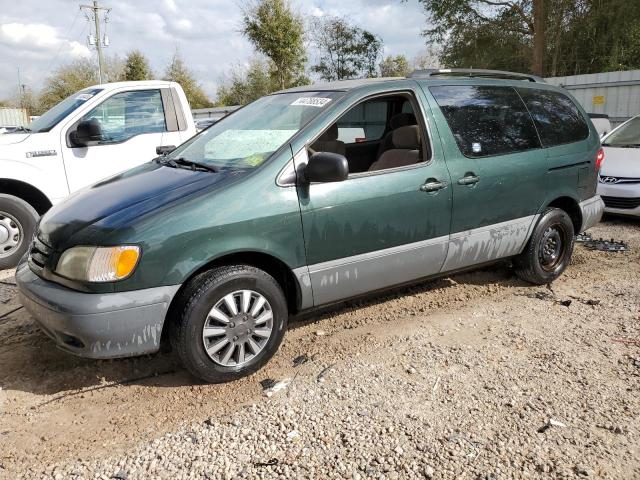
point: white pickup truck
(93, 134)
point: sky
(38, 36)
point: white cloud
(38, 37)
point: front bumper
(96, 325)
(592, 210)
(621, 195)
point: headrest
(407, 138)
(330, 135)
(402, 120)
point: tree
(67, 80)
(136, 67)
(246, 85)
(178, 72)
(346, 51)
(397, 66)
(559, 37)
(278, 33)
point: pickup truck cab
(278, 208)
(93, 134)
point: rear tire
(548, 252)
(18, 221)
(224, 318)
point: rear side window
(556, 116)
(486, 120)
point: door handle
(433, 186)
(469, 179)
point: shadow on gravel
(499, 274)
(31, 362)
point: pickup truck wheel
(232, 322)
(548, 252)
(18, 222)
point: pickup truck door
(133, 124)
(377, 228)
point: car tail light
(599, 158)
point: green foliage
(178, 72)
(580, 36)
(136, 67)
(277, 32)
(346, 51)
(245, 86)
(67, 80)
(397, 66)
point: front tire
(18, 222)
(548, 252)
(231, 322)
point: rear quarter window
(557, 118)
(486, 120)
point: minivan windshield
(249, 136)
(628, 135)
(53, 116)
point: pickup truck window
(486, 120)
(246, 138)
(53, 116)
(127, 114)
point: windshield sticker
(84, 96)
(312, 101)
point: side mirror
(164, 149)
(87, 133)
(326, 167)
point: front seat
(397, 121)
(406, 151)
(328, 142)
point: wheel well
(26, 192)
(273, 266)
(572, 208)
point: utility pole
(95, 9)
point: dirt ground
(468, 370)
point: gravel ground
(476, 376)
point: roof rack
(474, 72)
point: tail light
(599, 158)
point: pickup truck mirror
(164, 149)
(87, 133)
(326, 167)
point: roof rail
(474, 72)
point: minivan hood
(139, 191)
(621, 162)
(13, 138)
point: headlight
(98, 264)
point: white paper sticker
(84, 96)
(476, 147)
(312, 101)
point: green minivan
(308, 197)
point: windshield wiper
(194, 165)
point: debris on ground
(271, 386)
(300, 360)
(583, 237)
(551, 423)
(411, 369)
(628, 341)
(320, 333)
(293, 436)
(607, 245)
(323, 373)
(269, 463)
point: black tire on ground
(548, 252)
(16, 215)
(201, 295)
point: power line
(99, 40)
(66, 37)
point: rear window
(486, 120)
(556, 116)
